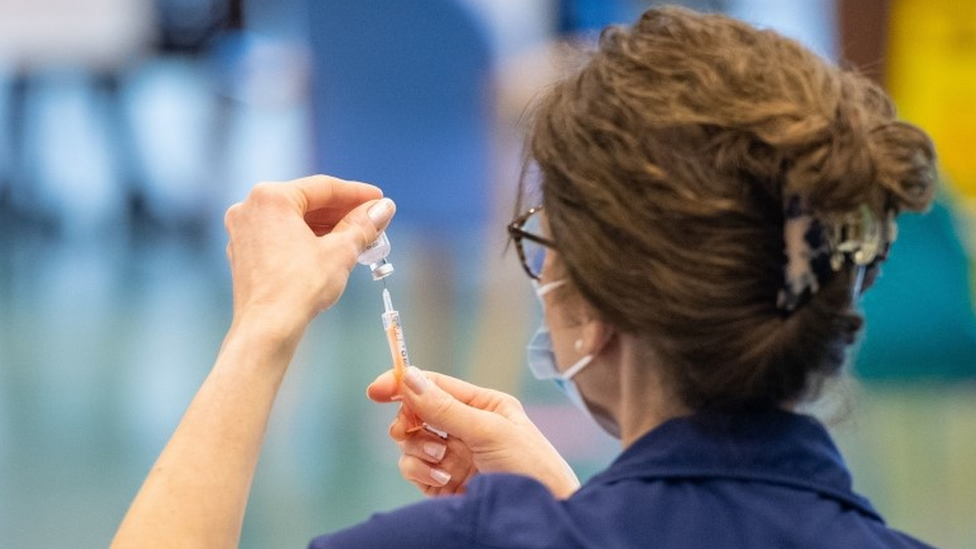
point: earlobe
(596, 335)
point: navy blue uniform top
(762, 480)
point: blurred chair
(44, 43)
(79, 57)
(920, 319)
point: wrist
(260, 335)
(564, 486)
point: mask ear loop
(571, 372)
(543, 289)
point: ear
(596, 334)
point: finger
(384, 388)
(421, 472)
(324, 220)
(443, 411)
(457, 460)
(405, 425)
(451, 489)
(400, 427)
(363, 225)
(232, 212)
(459, 466)
(425, 446)
(438, 491)
(477, 397)
(323, 192)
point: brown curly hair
(664, 164)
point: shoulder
(499, 510)
(517, 511)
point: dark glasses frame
(517, 231)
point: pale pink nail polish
(380, 212)
(435, 450)
(416, 380)
(440, 477)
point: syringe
(394, 335)
(398, 349)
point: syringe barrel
(398, 345)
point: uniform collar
(770, 446)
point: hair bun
(905, 160)
(858, 152)
(836, 169)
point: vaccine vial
(374, 257)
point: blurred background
(127, 127)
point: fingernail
(416, 380)
(440, 477)
(435, 450)
(381, 212)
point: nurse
(714, 201)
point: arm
(488, 431)
(292, 247)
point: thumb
(363, 225)
(444, 412)
(384, 388)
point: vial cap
(381, 270)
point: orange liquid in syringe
(399, 353)
(399, 363)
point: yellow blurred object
(932, 77)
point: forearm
(292, 247)
(196, 493)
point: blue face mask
(542, 362)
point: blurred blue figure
(401, 99)
(581, 16)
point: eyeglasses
(531, 247)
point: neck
(627, 385)
(645, 400)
